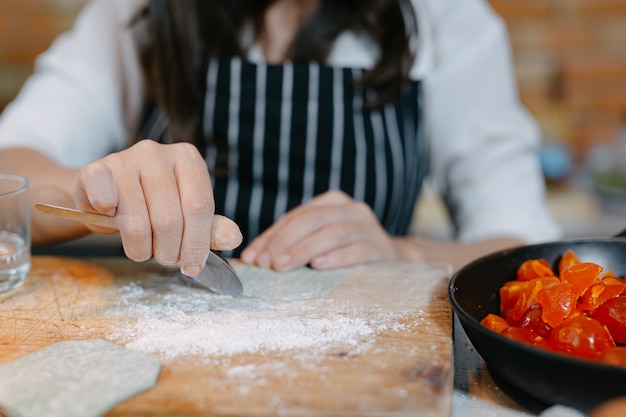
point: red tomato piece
(532, 320)
(581, 336)
(581, 275)
(612, 314)
(534, 268)
(509, 294)
(516, 298)
(526, 336)
(598, 293)
(494, 322)
(568, 259)
(558, 302)
(613, 356)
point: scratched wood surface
(404, 369)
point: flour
(162, 317)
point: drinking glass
(14, 231)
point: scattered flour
(162, 317)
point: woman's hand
(162, 198)
(330, 231)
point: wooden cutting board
(396, 358)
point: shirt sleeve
(484, 144)
(84, 97)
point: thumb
(225, 233)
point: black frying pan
(548, 377)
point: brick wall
(571, 66)
(27, 27)
(570, 58)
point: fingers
(143, 192)
(196, 210)
(95, 190)
(225, 234)
(202, 229)
(337, 245)
(357, 253)
(162, 198)
(330, 231)
(281, 234)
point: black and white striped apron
(293, 131)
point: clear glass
(14, 231)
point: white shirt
(85, 97)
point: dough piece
(300, 284)
(75, 379)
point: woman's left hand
(330, 231)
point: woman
(318, 121)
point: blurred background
(570, 59)
(27, 27)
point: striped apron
(289, 132)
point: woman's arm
(49, 183)
(457, 254)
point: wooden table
(403, 367)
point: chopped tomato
(517, 296)
(581, 275)
(534, 268)
(532, 320)
(510, 292)
(526, 336)
(581, 336)
(494, 322)
(598, 293)
(612, 314)
(558, 302)
(568, 259)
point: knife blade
(217, 275)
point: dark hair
(175, 39)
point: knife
(217, 275)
